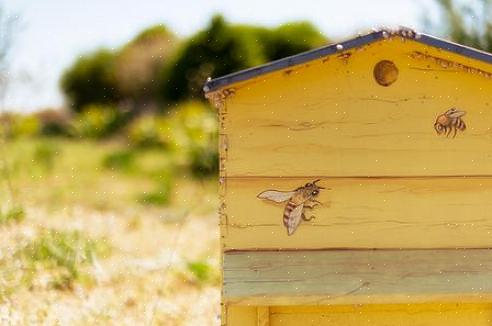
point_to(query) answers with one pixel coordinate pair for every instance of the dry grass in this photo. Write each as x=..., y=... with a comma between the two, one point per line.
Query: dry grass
x=163, y=264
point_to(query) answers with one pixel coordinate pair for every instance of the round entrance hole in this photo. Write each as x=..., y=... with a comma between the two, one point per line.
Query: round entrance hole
x=385, y=72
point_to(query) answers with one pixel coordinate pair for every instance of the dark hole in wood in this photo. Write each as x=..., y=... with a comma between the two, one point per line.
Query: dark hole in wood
x=385, y=73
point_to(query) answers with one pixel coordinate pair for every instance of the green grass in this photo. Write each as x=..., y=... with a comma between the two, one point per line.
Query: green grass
x=202, y=272
x=64, y=254
x=12, y=215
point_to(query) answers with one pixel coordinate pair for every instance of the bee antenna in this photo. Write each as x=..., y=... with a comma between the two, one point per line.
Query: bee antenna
x=314, y=182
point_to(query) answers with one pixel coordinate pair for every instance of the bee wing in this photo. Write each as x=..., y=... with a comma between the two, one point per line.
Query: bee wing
x=276, y=196
x=293, y=219
x=453, y=113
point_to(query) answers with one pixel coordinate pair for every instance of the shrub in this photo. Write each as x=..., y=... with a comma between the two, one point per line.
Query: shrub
x=149, y=131
x=161, y=195
x=222, y=48
x=196, y=135
x=17, y=125
x=204, y=161
x=119, y=160
x=97, y=121
x=91, y=80
x=54, y=122
x=139, y=62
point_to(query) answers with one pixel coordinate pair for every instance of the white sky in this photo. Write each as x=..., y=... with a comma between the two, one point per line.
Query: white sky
x=55, y=32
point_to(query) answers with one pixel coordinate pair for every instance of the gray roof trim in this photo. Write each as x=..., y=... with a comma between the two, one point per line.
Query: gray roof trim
x=214, y=84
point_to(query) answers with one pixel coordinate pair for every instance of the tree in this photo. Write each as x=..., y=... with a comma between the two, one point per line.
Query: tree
x=468, y=23
x=223, y=48
x=292, y=38
x=91, y=80
x=139, y=62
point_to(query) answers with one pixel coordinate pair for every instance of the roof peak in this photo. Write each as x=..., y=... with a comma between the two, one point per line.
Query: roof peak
x=374, y=35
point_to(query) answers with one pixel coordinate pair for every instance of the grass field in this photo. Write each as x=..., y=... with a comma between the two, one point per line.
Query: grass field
x=97, y=233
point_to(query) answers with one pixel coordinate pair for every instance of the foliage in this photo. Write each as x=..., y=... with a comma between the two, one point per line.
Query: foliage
x=18, y=125
x=11, y=215
x=138, y=64
x=292, y=38
x=45, y=154
x=161, y=195
x=199, y=138
x=149, y=130
x=466, y=22
x=217, y=50
x=155, y=66
x=91, y=80
x=98, y=121
x=54, y=122
x=120, y=160
x=64, y=253
x=223, y=48
x=202, y=272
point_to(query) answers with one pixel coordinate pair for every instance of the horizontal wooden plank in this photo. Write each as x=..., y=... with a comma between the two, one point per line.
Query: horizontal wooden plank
x=330, y=117
x=363, y=213
x=357, y=276
x=437, y=314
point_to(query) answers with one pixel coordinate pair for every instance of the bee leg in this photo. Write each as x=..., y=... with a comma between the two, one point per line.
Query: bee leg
x=455, y=130
x=312, y=217
x=448, y=131
x=311, y=206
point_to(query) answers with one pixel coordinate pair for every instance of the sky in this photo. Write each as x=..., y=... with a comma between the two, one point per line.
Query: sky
x=53, y=33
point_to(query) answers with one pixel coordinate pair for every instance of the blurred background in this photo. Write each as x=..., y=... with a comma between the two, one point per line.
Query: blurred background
x=108, y=149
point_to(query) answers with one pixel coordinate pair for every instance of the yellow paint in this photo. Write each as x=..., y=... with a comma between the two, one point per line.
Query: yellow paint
x=396, y=183
x=364, y=213
x=384, y=315
x=332, y=119
x=449, y=314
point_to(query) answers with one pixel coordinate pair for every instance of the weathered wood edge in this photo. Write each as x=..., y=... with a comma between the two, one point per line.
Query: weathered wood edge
x=357, y=277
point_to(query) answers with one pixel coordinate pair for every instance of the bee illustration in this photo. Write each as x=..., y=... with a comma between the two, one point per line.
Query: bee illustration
x=297, y=200
x=450, y=121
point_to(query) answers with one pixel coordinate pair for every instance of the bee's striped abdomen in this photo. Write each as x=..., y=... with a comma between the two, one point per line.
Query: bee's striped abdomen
x=288, y=210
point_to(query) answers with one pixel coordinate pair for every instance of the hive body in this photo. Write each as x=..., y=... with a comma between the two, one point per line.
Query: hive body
x=421, y=198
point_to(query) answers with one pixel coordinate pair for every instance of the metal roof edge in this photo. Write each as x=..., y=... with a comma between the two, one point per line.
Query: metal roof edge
x=242, y=75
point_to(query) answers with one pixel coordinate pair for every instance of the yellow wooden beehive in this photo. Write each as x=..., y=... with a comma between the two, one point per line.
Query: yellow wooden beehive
x=398, y=125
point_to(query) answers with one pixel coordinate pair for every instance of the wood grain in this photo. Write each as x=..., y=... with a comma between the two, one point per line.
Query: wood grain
x=357, y=277
x=331, y=118
x=364, y=213
x=437, y=314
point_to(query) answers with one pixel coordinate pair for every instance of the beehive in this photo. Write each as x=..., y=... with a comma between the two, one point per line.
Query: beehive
x=398, y=125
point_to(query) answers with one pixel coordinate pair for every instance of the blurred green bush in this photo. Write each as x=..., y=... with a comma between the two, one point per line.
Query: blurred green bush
x=18, y=125
x=157, y=68
x=91, y=80
x=223, y=48
x=98, y=121
x=149, y=130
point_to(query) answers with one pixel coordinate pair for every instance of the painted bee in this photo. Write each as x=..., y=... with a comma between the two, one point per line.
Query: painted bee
x=450, y=121
x=298, y=199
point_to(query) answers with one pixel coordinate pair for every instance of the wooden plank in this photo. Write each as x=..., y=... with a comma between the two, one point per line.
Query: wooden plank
x=363, y=213
x=331, y=118
x=449, y=314
x=357, y=276
x=241, y=316
x=263, y=316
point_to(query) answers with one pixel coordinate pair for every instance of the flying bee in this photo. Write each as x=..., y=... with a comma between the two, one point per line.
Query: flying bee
x=450, y=121
x=297, y=200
